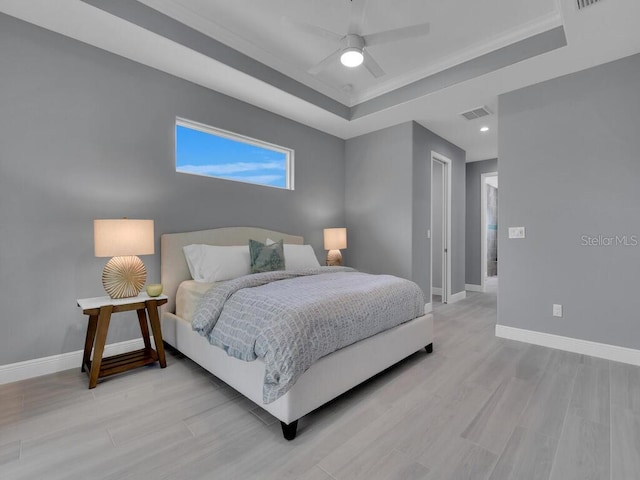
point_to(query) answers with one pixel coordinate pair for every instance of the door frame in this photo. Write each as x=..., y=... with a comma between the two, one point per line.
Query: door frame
x=483, y=227
x=446, y=230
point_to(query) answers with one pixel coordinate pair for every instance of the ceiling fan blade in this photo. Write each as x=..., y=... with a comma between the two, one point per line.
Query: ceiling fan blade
x=356, y=17
x=396, y=34
x=318, y=67
x=311, y=29
x=371, y=65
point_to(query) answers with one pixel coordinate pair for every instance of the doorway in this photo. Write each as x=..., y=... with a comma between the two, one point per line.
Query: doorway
x=489, y=249
x=440, y=228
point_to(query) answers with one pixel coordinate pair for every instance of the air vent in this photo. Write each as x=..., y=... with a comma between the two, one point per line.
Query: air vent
x=476, y=113
x=586, y=3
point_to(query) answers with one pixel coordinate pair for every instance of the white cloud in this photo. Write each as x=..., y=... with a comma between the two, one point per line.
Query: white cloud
x=261, y=179
x=230, y=168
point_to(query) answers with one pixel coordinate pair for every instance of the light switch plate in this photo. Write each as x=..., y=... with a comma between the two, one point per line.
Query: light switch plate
x=516, y=232
x=557, y=310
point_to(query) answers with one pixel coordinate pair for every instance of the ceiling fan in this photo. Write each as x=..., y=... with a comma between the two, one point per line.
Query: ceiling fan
x=352, y=50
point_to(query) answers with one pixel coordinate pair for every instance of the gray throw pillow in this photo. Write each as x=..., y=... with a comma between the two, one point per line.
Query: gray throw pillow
x=266, y=258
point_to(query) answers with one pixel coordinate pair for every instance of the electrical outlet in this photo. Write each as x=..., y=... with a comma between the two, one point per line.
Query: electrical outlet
x=557, y=310
x=516, y=232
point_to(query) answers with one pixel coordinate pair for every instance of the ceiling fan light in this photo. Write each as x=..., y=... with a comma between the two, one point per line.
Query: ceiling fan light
x=351, y=57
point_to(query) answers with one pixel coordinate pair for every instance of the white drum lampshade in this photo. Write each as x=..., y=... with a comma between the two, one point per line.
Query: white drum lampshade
x=334, y=240
x=123, y=239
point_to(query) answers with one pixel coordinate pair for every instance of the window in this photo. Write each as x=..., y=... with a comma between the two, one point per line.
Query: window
x=209, y=151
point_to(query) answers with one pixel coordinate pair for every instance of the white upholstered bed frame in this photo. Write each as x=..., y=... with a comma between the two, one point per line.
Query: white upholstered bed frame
x=328, y=378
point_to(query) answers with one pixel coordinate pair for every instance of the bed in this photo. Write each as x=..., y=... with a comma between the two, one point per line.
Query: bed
x=326, y=379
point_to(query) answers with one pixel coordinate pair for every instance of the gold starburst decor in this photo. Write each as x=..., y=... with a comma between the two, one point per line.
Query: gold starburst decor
x=334, y=258
x=124, y=277
x=123, y=239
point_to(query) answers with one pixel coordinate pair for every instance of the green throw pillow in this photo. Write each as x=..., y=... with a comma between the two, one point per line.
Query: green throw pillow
x=266, y=258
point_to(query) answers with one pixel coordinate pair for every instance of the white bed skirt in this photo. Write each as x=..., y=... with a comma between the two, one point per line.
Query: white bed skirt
x=325, y=380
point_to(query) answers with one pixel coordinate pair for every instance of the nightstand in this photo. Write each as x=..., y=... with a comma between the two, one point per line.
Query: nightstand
x=99, y=310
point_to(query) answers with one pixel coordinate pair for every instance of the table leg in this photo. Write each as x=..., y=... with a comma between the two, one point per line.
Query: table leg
x=152, y=308
x=101, y=339
x=88, y=342
x=144, y=327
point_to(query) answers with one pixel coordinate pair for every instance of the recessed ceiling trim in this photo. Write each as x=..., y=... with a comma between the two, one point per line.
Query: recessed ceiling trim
x=157, y=22
x=182, y=12
x=160, y=24
x=503, y=57
x=522, y=32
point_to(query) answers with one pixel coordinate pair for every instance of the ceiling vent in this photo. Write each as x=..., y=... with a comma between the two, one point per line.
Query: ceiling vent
x=586, y=3
x=476, y=113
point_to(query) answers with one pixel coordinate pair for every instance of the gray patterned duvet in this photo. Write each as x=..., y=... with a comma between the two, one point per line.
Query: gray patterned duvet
x=290, y=319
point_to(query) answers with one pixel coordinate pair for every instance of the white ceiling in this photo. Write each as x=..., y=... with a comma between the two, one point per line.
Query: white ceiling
x=272, y=32
x=269, y=33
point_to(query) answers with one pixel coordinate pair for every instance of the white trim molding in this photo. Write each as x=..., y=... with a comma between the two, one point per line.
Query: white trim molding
x=436, y=291
x=14, y=372
x=456, y=297
x=428, y=307
x=474, y=288
x=575, y=345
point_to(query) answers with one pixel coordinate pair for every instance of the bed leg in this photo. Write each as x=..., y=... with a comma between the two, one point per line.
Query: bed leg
x=429, y=348
x=289, y=431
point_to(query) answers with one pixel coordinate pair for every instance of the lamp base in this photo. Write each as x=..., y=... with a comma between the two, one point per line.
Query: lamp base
x=124, y=277
x=334, y=258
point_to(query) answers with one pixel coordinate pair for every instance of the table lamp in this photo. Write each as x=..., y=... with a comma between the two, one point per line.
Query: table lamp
x=334, y=240
x=123, y=239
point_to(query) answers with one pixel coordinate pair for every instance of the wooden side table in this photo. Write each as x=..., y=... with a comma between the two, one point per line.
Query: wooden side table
x=99, y=310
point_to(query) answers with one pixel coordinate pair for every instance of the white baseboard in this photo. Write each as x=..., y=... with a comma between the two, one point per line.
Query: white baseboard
x=575, y=345
x=436, y=291
x=474, y=288
x=15, y=372
x=428, y=307
x=456, y=297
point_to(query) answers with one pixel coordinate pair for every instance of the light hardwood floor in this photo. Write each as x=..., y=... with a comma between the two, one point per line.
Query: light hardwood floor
x=477, y=408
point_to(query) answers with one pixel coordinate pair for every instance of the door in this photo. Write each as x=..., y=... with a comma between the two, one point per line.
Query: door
x=440, y=227
x=489, y=228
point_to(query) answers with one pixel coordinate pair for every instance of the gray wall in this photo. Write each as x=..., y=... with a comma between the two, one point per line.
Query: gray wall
x=379, y=201
x=86, y=134
x=387, y=202
x=569, y=167
x=474, y=171
x=425, y=142
x=421, y=203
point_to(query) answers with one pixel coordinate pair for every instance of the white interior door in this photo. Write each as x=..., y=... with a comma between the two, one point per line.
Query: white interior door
x=440, y=226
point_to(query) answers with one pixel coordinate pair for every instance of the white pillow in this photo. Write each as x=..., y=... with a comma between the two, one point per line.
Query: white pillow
x=298, y=257
x=214, y=263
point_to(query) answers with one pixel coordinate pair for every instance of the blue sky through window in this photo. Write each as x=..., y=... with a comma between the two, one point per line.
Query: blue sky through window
x=203, y=153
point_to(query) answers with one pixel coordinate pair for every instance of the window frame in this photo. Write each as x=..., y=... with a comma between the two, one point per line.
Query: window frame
x=289, y=153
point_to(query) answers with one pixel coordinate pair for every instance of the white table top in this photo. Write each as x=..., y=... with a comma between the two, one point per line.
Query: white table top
x=97, y=302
